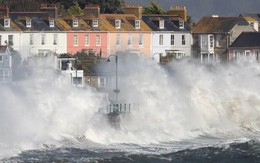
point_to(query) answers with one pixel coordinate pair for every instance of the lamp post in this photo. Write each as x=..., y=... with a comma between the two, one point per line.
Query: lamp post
x=116, y=61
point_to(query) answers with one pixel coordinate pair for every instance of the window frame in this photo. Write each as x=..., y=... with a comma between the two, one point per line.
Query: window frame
x=117, y=23
x=98, y=40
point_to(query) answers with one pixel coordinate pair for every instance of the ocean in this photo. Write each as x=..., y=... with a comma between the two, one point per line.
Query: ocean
x=187, y=112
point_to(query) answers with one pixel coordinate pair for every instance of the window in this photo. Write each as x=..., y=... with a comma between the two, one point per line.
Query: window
x=141, y=40
x=247, y=53
x=183, y=42
x=75, y=23
x=172, y=39
x=211, y=41
x=118, y=39
x=86, y=40
x=130, y=40
x=117, y=24
x=10, y=40
x=31, y=39
x=1, y=58
x=181, y=24
x=75, y=40
x=55, y=39
x=98, y=40
x=0, y=39
x=218, y=39
x=257, y=55
x=160, y=39
x=236, y=55
x=95, y=23
x=43, y=39
x=161, y=24
x=137, y=24
x=28, y=23
x=51, y=23
x=102, y=82
x=7, y=23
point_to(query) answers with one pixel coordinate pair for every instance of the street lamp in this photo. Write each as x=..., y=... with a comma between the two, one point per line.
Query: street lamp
x=116, y=61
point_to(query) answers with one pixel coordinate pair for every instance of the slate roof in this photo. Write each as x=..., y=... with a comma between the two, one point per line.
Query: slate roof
x=13, y=26
x=217, y=24
x=107, y=22
x=247, y=39
x=39, y=21
x=171, y=22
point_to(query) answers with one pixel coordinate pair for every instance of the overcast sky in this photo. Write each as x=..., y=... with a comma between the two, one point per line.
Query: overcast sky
x=199, y=8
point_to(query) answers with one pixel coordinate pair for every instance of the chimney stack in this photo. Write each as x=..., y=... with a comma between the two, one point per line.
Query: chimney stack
x=136, y=10
x=51, y=9
x=178, y=10
x=4, y=10
x=92, y=11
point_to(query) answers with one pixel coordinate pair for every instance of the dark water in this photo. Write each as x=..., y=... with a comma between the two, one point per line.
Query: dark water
x=248, y=152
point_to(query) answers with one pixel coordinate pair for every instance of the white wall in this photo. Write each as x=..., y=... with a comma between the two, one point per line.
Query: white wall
x=29, y=50
x=16, y=39
x=156, y=48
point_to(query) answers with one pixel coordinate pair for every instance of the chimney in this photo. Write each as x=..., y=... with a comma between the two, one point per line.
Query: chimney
x=51, y=9
x=4, y=10
x=136, y=10
x=178, y=10
x=92, y=11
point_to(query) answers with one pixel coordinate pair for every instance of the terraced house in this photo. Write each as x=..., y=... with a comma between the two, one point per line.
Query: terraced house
x=213, y=35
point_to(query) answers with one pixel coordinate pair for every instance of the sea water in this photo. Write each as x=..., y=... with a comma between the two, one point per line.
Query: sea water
x=187, y=112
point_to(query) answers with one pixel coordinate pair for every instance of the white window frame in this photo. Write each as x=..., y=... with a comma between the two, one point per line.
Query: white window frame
x=51, y=23
x=181, y=24
x=31, y=39
x=130, y=40
x=75, y=40
x=87, y=40
x=161, y=24
x=102, y=84
x=117, y=23
x=211, y=41
x=98, y=40
x=247, y=53
x=172, y=40
x=55, y=39
x=43, y=41
x=6, y=22
x=75, y=23
x=141, y=40
x=10, y=39
x=28, y=23
x=95, y=23
x=118, y=39
x=137, y=24
x=183, y=39
x=160, y=39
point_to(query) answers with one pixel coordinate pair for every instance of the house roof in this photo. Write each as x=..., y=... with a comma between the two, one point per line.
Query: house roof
x=252, y=16
x=39, y=21
x=247, y=39
x=217, y=24
x=171, y=22
x=127, y=22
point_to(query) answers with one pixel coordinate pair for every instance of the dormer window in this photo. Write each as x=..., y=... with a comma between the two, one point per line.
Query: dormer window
x=7, y=23
x=181, y=24
x=161, y=24
x=95, y=23
x=137, y=24
x=117, y=24
x=28, y=23
x=75, y=23
x=51, y=23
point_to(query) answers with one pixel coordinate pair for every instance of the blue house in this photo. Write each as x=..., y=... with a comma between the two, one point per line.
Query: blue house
x=5, y=64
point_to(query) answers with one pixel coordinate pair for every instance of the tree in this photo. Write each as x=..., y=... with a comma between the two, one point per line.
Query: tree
x=190, y=22
x=153, y=9
x=75, y=10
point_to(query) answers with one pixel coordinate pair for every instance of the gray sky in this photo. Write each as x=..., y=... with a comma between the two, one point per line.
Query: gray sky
x=199, y=8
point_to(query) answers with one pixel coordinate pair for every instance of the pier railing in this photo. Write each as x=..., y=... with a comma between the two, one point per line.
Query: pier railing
x=120, y=108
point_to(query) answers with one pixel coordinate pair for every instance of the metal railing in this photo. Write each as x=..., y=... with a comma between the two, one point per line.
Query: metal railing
x=120, y=108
